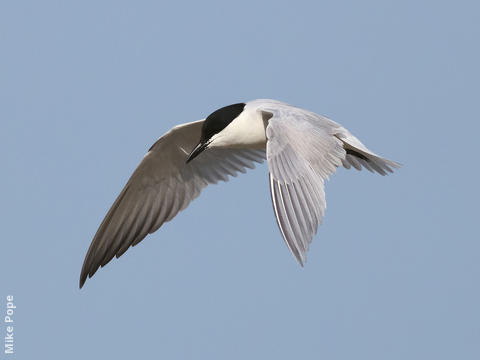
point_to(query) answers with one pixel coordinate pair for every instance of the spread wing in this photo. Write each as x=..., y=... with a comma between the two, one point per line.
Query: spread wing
x=303, y=149
x=161, y=186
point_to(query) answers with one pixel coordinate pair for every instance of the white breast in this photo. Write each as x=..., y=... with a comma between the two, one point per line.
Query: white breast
x=245, y=131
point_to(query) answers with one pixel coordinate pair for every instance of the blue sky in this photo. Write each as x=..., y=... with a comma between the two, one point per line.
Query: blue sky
x=85, y=89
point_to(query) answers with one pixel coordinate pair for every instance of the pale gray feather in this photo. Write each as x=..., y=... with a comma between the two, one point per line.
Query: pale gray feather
x=161, y=186
x=304, y=149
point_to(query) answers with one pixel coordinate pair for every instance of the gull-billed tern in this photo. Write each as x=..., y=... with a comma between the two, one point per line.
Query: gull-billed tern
x=302, y=149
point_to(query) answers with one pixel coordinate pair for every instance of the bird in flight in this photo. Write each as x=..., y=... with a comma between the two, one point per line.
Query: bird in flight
x=302, y=149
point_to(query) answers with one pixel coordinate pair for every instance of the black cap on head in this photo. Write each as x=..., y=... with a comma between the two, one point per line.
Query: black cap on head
x=213, y=124
x=219, y=119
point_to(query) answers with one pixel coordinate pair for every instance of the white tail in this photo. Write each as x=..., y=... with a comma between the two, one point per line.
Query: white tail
x=358, y=156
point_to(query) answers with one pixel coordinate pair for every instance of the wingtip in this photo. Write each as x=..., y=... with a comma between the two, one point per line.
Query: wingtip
x=391, y=167
x=393, y=164
x=301, y=261
x=84, y=275
x=83, y=278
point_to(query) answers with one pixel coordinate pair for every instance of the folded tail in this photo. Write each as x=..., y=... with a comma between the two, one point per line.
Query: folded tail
x=358, y=156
